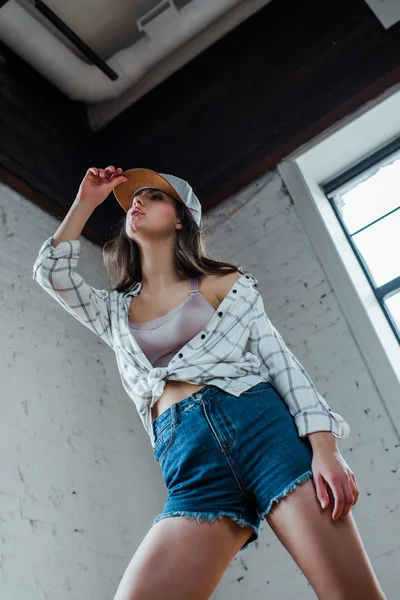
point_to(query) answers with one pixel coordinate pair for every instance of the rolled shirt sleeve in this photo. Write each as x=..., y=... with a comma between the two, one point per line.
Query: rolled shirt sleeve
x=54, y=270
x=291, y=380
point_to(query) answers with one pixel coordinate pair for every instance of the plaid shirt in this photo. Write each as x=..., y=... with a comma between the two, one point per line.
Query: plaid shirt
x=237, y=349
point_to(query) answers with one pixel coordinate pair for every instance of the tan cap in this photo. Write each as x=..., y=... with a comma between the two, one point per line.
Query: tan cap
x=146, y=178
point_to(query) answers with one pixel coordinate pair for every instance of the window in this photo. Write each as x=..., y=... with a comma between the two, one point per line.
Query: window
x=366, y=201
x=345, y=185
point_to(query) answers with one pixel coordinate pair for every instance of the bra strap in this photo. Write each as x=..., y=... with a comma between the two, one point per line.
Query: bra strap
x=194, y=284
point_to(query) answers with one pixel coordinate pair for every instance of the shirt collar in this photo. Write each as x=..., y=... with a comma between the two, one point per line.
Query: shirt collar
x=134, y=290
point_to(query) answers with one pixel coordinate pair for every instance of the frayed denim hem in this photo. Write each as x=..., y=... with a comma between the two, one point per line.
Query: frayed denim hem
x=289, y=488
x=203, y=516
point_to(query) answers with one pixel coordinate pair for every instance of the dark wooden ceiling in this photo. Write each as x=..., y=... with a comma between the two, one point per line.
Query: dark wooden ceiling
x=234, y=112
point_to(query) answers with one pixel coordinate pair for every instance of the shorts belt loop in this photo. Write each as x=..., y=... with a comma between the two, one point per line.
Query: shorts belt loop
x=174, y=415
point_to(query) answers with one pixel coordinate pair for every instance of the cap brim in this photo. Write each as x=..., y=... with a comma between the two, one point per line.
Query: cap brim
x=140, y=178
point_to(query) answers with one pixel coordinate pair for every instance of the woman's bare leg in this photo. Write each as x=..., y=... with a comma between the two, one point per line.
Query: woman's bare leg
x=330, y=553
x=182, y=559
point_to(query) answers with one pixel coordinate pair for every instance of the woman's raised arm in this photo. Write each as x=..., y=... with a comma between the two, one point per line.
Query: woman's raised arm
x=54, y=267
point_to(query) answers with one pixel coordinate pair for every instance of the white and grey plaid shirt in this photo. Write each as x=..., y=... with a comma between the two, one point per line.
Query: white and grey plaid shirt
x=237, y=349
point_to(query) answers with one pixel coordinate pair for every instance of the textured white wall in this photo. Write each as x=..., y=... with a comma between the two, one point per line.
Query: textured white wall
x=78, y=490
x=68, y=426
x=260, y=228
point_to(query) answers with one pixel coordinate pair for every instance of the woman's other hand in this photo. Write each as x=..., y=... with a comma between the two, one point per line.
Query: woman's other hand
x=98, y=183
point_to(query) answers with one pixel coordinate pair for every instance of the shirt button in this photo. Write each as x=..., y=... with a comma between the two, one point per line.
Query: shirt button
x=203, y=336
x=234, y=291
x=180, y=355
x=220, y=313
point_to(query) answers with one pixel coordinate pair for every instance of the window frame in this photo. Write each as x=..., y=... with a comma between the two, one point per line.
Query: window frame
x=310, y=173
x=377, y=159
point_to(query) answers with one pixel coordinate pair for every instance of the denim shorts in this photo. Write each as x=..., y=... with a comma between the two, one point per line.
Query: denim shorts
x=222, y=455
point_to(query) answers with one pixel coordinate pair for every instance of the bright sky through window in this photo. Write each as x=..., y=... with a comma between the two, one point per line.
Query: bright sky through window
x=373, y=206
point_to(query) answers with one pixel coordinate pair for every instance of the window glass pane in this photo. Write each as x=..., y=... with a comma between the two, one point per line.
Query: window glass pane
x=393, y=305
x=379, y=246
x=371, y=199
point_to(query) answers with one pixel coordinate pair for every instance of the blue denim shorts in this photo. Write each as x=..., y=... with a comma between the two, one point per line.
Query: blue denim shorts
x=222, y=455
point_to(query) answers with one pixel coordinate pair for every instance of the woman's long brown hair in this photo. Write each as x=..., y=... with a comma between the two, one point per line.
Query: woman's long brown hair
x=121, y=255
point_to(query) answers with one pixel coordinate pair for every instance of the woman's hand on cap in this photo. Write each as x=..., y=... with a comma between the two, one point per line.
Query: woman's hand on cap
x=98, y=183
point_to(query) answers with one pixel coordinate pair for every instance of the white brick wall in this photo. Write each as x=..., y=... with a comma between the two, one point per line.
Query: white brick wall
x=78, y=491
x=260, y=228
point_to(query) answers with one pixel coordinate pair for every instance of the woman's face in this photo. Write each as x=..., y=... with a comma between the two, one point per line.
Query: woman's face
x=159, y=217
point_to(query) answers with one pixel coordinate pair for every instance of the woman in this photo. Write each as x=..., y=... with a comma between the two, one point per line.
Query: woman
x=235, y=421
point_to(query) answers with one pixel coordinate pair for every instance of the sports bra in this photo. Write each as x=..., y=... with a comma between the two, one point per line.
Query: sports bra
x=161, y=338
